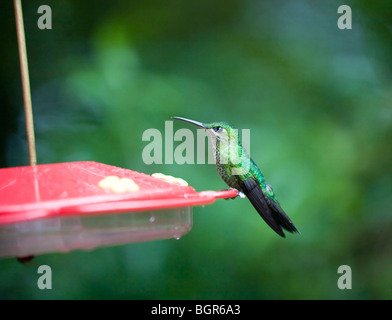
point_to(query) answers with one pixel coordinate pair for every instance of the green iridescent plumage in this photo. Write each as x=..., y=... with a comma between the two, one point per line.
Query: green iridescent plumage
x=238, y=170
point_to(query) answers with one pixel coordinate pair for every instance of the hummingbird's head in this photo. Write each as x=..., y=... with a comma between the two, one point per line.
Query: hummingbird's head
x=218, y=131
x=221, y=131
x=225, y=143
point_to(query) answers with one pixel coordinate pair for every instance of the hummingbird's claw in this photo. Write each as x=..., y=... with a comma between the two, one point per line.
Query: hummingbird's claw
x=239, y=194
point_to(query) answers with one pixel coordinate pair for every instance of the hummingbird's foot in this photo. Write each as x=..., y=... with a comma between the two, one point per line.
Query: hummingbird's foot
x=240, y=194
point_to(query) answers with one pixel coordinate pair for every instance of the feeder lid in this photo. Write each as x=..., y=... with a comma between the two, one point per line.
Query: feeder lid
x=88, y=188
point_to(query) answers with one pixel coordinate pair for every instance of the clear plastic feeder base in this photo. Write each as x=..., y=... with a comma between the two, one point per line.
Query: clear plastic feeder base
x=89, y=232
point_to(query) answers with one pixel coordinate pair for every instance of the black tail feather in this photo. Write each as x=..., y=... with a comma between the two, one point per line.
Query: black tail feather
x=272, y=214
x=284, y=220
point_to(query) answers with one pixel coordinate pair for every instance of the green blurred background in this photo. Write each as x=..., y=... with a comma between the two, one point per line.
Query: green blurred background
x=317, y=100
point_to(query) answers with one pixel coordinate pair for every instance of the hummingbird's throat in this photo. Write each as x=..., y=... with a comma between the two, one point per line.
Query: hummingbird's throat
x=229, y=154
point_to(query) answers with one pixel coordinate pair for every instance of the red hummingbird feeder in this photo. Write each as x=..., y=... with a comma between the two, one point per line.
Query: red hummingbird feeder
x=61, y=207
x=84, y=205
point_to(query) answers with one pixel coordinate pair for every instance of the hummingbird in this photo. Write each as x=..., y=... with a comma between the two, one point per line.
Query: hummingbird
x=240, y=172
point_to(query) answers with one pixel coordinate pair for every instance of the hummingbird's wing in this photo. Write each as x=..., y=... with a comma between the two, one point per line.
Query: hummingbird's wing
x=270, y=211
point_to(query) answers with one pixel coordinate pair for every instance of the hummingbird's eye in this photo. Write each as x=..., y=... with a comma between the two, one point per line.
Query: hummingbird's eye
x=218, y=129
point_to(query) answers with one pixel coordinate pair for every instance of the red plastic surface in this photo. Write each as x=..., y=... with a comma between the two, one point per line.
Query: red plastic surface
x=71, y=188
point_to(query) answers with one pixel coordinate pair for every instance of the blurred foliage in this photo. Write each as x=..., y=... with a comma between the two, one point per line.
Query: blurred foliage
x=316, y=98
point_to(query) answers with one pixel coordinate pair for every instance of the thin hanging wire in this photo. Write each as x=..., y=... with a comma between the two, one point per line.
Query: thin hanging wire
x=25, y=82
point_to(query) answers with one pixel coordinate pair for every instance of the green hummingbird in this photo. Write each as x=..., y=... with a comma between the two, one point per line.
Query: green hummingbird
x=238, y=170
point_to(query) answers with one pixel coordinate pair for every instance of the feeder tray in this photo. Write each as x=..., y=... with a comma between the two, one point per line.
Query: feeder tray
x=67, y=206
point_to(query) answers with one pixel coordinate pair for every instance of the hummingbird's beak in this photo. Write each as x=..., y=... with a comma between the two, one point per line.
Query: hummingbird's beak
x=197, y=123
